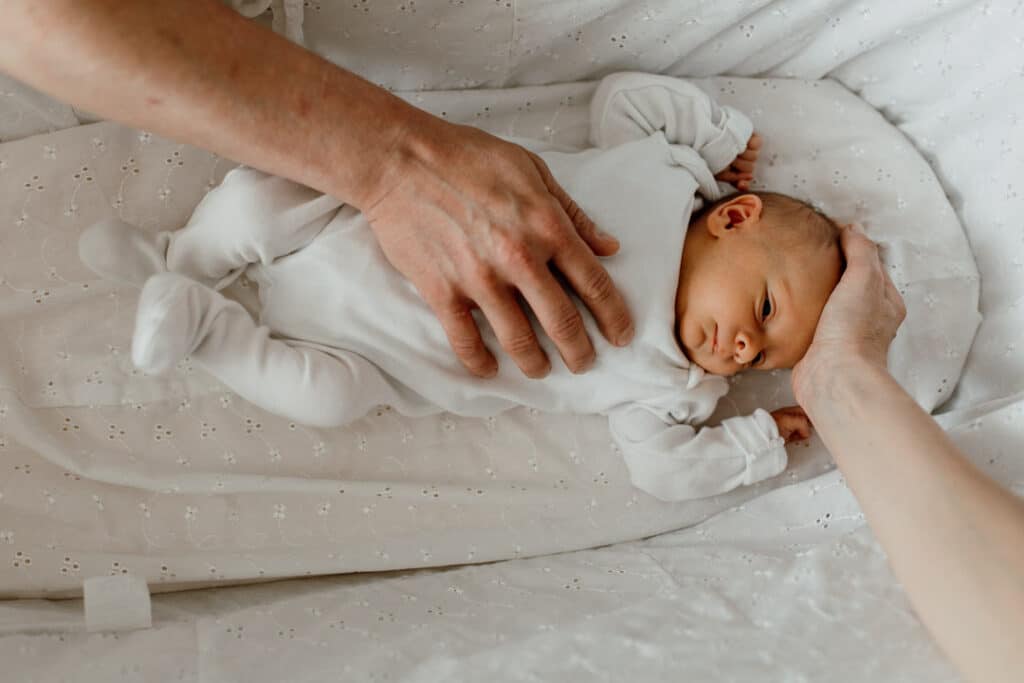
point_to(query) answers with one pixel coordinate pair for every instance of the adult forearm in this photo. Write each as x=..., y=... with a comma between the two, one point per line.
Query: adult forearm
x=196, y=71
x=955, y=538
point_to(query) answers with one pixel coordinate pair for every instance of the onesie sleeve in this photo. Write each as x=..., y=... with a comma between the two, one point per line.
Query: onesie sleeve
x=673, y=461
x=629, y=106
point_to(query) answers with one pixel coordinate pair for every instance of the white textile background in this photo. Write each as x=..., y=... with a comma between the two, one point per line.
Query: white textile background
x=788, y=586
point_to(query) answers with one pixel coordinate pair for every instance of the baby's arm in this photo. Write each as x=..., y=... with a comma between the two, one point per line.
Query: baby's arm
x=630, y=106
x=676, y=461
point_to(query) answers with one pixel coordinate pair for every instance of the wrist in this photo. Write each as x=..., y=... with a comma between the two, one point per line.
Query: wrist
x=823, y=380
x=366, y=132
x=409, y=144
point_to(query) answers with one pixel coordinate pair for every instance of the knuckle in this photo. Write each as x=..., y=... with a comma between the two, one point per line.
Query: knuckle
x=482, y=275
x=551, y=227
x=444, y=301
x=458, y=313
x=567, y=324
x=520, y=344
x=597, y=286
x=466, y=347
x=576, y=215
x=513, y=254
x=527, y=354
x=470, y=352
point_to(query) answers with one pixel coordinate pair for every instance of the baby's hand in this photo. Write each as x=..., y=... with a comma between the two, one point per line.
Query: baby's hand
x=793, y=423
x=741, y=171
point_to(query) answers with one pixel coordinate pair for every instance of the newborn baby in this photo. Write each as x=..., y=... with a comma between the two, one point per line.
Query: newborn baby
x=342, y=331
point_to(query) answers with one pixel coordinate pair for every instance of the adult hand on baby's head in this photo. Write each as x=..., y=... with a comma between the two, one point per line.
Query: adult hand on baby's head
x=859, y=321
x=741, y=171
x=472, y=221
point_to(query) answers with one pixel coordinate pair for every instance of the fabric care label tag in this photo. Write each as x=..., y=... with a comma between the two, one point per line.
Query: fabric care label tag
x=116, y=603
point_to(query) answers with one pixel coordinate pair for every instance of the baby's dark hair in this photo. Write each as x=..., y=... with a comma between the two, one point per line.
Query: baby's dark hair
x=794, y=222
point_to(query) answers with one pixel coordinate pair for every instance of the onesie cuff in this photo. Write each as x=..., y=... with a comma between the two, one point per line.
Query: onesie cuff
x=757, y=437
x=731, y=142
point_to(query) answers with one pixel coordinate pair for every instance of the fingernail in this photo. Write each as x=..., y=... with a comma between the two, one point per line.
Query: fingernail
x=541, y=372
x=626, y=336
x=584, y=366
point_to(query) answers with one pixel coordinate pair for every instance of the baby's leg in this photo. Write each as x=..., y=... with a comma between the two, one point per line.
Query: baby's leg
x=179, y=317
x=251, y=217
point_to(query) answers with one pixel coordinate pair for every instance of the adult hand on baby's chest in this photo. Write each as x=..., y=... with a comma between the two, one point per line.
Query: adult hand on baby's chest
x=472, y=221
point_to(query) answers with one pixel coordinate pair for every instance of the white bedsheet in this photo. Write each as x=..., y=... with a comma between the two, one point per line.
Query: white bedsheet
x=196, y=481
x=787, y=587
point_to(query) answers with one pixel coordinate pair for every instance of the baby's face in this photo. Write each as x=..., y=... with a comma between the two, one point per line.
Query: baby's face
x=743, y=303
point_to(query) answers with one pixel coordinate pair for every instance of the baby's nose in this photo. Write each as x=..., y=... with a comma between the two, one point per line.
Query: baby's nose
x=746, y=348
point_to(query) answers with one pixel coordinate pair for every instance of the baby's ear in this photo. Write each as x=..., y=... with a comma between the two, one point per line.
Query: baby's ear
x=748, y=210
x=742, y=211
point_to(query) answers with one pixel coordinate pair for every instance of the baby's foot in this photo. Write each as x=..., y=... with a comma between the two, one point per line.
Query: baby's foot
x=117, y=251
x=169, y=322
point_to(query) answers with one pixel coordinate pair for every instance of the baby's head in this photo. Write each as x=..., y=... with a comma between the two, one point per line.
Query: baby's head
x=757, y=270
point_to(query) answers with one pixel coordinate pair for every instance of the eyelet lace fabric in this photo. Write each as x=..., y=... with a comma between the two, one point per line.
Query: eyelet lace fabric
x=912, y=127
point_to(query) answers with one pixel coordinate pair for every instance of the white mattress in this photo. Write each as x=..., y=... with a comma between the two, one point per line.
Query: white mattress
x=784, y=586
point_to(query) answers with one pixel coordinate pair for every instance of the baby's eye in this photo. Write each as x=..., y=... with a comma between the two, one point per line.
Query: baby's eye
x=766, y=308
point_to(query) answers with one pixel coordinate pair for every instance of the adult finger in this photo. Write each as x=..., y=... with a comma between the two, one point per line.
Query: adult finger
x=892, y=293
x=587, y=277
x=594, y=286
x=559, y=317
x=514, y=332
x=600, y=242
x=456, y=318
x=860, y=252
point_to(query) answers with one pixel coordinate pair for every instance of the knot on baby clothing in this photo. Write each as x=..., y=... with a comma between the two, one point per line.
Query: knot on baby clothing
x=288, y=15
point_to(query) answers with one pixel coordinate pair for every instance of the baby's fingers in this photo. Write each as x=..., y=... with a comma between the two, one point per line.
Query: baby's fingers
x=801, y=430
x=730, y=175
x=742, y=165
x=794, y=429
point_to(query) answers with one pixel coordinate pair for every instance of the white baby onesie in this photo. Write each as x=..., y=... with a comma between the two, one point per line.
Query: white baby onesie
x=342, y=331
